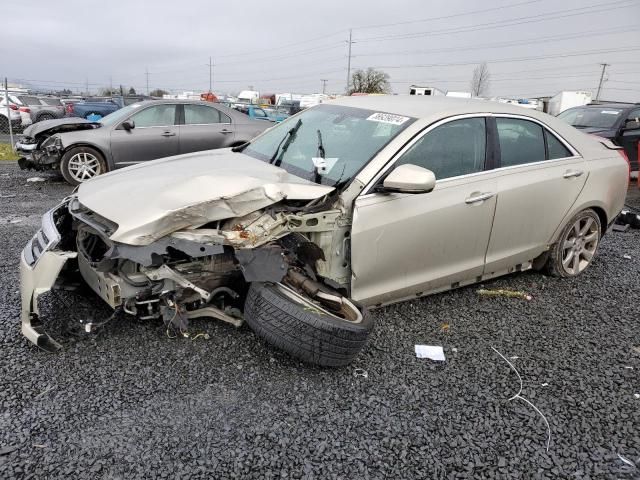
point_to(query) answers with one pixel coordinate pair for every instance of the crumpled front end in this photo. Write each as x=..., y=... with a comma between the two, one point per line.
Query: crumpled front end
x=39, y=154
x=199, y=271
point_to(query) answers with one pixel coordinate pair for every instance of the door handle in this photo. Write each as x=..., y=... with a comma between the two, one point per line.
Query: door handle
x=168, y=134
x=225, y=131
x=572, y=173
x=479, y=197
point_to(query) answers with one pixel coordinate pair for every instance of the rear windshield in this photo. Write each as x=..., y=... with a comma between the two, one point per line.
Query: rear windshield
x=601, y=117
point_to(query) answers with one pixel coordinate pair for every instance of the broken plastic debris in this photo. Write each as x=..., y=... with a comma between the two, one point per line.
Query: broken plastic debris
x=636, y=395
x=36, y=179
x=545, y=384
x=454, y=349
x=501, y=292
x=360, y=372
x=628, y=257
x=433, y=352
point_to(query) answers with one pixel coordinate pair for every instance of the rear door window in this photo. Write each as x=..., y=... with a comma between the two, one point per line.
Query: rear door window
x=450, y=150
x=201, y=115
x=521, y=142
x=555, y=148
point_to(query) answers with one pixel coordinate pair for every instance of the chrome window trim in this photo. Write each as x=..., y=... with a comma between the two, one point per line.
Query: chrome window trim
x=394, y=158
x=203, y=124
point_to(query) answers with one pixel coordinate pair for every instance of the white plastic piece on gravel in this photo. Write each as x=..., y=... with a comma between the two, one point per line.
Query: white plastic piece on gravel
x=628, y=257
x=545, y=384
x=36, y=179
x=636, y=395
x=433, y=352
x=360, y=372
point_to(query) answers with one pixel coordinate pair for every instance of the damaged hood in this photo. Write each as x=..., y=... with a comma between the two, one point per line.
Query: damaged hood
x=150, y=200
x=58, y=125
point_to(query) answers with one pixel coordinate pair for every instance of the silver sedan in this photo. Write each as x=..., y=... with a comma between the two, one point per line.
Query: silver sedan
x=147, y=130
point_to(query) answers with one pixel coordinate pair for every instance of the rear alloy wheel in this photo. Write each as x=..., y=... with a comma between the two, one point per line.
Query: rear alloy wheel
x=577, y=245
x=81, y=164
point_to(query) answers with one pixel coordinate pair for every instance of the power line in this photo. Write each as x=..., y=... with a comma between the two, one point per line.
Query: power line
x=510, y=43
x=444, y=17
x=518, y=59
x=508, y=22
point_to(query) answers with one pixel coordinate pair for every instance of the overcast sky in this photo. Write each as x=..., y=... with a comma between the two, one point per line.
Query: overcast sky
x=532, y=47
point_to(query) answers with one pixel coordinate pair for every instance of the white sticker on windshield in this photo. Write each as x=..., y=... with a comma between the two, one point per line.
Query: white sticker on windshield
x=323, y=165
x=610, y=112
x=387, y=118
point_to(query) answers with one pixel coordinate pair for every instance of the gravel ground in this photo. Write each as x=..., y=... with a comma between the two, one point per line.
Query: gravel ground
x=128, y=402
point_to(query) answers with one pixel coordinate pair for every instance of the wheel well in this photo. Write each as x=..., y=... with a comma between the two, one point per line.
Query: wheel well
x=602, y=216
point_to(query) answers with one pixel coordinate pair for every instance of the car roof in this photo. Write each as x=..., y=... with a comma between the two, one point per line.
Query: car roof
x=425, y=106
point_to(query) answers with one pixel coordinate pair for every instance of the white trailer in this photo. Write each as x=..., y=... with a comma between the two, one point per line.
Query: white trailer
x=567, y=99
x=422, y=90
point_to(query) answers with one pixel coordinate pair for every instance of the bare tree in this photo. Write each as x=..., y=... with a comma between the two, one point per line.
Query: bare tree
x=480, y=81
x=370, y=81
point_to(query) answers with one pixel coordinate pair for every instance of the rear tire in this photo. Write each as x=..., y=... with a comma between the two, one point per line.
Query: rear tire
x=45, y=116
x=80, y=164
x=576, y=246
x=308, y=333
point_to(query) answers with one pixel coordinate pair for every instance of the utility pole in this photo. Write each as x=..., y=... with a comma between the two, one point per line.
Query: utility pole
x=324, y=84
x=146, y=72
x=349, y=62
x=210, y=64
x=6, y=96
x=86, y=86
x=604, y=67
x=110, y=85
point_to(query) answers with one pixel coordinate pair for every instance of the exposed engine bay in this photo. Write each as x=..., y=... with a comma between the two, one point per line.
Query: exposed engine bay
x=205, y=271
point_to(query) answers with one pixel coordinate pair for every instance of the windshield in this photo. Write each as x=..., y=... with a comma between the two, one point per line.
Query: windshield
x=119, y=115
x=591, y=117
x=349, y=138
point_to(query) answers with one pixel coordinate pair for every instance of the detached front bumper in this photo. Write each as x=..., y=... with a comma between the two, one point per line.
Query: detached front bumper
x=40, y=265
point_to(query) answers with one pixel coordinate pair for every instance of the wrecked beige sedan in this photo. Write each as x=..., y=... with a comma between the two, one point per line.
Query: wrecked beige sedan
x=358, y=203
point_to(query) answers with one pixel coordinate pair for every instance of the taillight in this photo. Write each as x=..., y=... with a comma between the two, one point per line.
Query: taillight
x=69, y=107
x=13, y=107
x=623, y=154
x=25, y=109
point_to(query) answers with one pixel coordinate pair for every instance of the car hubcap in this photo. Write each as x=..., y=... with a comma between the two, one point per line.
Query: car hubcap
x=580, y=245
x=83, y=166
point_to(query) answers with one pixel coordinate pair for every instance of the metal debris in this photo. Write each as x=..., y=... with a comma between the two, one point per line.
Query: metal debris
x=36, y=179
x=501, y=292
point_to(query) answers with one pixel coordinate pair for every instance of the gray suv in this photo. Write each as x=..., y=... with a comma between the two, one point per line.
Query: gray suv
x=143, y=131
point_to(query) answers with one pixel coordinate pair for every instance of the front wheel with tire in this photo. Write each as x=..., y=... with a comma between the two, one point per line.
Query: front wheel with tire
x=81, y=164
x=576, y=246
x=304, y=329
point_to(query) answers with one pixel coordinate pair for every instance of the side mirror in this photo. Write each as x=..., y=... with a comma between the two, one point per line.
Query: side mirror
x=128, y=125
x=409, y=179
x=632, y=125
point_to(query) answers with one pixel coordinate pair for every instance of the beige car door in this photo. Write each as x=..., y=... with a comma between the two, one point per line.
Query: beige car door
x=540, y=177
x=407, y=244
